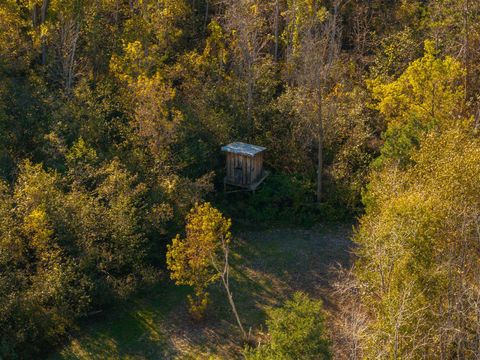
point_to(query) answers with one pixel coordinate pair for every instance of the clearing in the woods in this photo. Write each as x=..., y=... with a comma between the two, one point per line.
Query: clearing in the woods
x=267, y=267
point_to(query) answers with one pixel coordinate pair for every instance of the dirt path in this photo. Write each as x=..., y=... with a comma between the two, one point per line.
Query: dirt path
x=267, y=268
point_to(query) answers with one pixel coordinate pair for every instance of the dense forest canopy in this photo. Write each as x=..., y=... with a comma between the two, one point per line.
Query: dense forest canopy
x=113, y=112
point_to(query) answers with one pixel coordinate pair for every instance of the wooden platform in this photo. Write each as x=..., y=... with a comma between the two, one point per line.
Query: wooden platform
x=251, y=187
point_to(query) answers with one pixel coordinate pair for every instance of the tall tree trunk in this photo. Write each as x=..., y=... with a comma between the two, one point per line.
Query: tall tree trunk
x=466, y=45
x=276, y=29
x=320, y=169
x=205, y=19
x=320, y=148
x=250, y=86
x=71, y=59
x=34, y=16
x=43, y=17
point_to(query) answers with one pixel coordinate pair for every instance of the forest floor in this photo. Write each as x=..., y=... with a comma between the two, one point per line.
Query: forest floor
x=267, y=268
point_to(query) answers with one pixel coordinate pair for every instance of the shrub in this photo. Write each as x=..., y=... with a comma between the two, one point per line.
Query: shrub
x=297, y=332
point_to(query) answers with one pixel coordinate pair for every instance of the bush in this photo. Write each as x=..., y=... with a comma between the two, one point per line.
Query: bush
x=286, y=199
x=297, y=332
x=281, y=198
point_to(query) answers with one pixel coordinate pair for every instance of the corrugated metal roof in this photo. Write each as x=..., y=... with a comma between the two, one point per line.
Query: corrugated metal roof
x=243, y=149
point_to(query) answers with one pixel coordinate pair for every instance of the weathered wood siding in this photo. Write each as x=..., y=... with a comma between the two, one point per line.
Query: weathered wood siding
x=257, y=168
x=229, y=167
x=243, y=169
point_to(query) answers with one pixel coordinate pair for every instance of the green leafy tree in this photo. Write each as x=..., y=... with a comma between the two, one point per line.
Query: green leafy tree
x=427, y=96
x=296, y=331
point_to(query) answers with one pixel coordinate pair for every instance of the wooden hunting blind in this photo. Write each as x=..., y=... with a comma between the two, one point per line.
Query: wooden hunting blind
x=244, y=165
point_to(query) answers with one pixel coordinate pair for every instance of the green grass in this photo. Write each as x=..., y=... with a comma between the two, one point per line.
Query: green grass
x=267, y=267
x=132, y=330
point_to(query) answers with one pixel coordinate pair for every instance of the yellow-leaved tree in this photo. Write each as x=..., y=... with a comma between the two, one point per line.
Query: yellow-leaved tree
x=427, y=96
x=202, y=257
x=418, y=253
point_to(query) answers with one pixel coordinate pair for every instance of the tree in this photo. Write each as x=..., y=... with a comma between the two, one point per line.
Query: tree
x=68, y=244
x=246, y=22
x=454, y=24
x=203, y=257
x=296, y=331
x=426, y=96
x=43, y=291
x=312, y=40
x=15, y=51
x=418, y=252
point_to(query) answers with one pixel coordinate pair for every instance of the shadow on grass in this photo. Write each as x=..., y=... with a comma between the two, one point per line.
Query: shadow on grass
x=266, y=268
x=132, y=330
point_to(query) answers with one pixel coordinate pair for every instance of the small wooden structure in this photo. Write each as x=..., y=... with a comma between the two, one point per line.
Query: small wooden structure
x=244, y=165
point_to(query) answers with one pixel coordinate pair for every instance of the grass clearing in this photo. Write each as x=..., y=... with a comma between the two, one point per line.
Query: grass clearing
x=267, y=267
